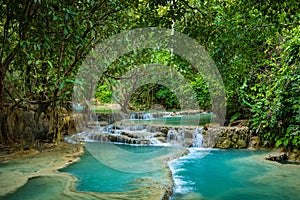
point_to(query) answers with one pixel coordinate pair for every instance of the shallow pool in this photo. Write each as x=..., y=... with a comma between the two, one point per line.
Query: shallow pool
x=119, y=168
x=233, y=174
x=201, y=174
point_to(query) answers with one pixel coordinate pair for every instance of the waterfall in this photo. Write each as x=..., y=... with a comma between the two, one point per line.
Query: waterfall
x=140, y=116
x=198, y=138
x=142, y=134
x=137, y=127
x=170, y=135
x=180, y=137
x=106, y=129
x=175, y=137
x=155, y=141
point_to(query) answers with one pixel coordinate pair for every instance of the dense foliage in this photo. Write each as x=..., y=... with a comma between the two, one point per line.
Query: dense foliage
x=42, y=44
x=273, y=95
x=255, y=45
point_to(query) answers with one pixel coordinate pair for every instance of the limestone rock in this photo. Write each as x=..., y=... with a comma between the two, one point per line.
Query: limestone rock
x=254, y=142
x=294, y=156
x=103, y=123
x=278, y=158
x=164, y=130
x=226, y=144
x=162, y=139
x=241, y=144
x=128, y=134
x=235, y=137
x=160, y=134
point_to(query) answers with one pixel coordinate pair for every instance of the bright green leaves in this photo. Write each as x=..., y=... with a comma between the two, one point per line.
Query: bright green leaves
x=103, y=94
x=235, y=117
x=202, y=92
x=275, y=100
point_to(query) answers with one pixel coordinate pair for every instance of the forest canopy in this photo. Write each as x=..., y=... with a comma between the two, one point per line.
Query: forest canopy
x=254, y=44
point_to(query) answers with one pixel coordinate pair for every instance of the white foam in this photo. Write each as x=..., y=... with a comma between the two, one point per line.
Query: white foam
x=184, y=186
x=180, y=185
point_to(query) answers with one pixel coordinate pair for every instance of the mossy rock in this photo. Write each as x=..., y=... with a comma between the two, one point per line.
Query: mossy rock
x=242, y=144
x=226, y=144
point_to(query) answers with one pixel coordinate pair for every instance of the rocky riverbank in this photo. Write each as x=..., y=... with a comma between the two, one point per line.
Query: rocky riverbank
x=42, y=166
x=17, y=168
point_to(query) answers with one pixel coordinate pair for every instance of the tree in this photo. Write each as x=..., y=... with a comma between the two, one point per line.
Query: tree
x=42, y=45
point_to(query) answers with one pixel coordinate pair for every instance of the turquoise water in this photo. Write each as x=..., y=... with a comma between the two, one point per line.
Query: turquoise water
x=185, y=120
x=233, y=174
x=39, y=188
x=202, y=174
x=105, y=167
x=98, y=175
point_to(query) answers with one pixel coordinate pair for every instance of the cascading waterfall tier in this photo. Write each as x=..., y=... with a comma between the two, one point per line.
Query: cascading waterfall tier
x=141, y=134
x=140, y=116
x=198, y=138
x=175, y=137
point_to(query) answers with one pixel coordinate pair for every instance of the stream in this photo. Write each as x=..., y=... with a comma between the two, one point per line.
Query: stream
x=142, y=153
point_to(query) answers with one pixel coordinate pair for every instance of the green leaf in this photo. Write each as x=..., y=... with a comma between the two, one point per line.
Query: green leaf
x=50, y=63
x=278, y=143
x=69, y=80
x=61, y=85
x=286, y=142
x=235, y=117
x=66, y=31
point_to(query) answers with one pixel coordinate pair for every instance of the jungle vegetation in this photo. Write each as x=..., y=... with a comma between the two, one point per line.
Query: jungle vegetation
x=254, y=44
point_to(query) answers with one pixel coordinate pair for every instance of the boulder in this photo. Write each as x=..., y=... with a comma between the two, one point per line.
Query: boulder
x=103, y=123
x=160, y=134
x=162, y=139
x=278, y=157
x=226, y=144
x=241, y=144
x=254, y=142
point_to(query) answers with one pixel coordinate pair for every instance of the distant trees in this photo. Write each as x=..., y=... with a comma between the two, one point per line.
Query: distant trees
x=255, y=45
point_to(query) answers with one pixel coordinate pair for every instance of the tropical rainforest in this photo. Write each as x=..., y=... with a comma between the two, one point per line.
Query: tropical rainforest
x=254, y=44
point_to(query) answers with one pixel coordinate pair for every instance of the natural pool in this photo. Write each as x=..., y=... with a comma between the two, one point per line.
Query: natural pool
x=233, y=174
x=120, y=167
x=117, y=171
x=202, y=174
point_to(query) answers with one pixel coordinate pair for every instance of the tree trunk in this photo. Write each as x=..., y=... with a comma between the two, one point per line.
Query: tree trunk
x=3, y=135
